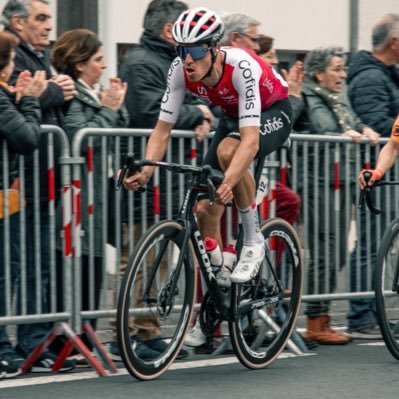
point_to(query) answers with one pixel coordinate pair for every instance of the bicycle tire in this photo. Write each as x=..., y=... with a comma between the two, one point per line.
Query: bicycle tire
x=259, y=335
x=155, y=256
x=386, y=297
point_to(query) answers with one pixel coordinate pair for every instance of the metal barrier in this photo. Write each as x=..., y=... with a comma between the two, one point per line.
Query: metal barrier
x=37, y=212
x=322, y=169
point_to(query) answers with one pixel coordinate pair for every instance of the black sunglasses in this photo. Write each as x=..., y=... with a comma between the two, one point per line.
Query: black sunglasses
x=196, y=52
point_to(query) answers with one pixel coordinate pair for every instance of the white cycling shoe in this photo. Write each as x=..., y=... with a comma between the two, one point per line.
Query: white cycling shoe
x=195, y=336
x=250, y=260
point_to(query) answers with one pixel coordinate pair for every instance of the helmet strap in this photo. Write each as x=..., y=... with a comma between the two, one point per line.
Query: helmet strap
x=213, y=59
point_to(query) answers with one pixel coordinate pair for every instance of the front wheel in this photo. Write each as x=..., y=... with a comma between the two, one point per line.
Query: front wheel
x=268, y=305
x=157, y=297
x=387, y=287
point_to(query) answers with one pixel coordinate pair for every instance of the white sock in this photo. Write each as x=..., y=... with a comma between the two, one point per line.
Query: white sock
x=250, y=223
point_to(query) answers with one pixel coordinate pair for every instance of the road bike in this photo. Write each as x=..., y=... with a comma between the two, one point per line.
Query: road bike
x=386, y=278
x=160, y=285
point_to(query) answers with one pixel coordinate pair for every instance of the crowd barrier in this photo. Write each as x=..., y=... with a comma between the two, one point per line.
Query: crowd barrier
x=321, y=168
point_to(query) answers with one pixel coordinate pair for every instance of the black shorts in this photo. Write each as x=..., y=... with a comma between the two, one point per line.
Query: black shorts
x=274, y=130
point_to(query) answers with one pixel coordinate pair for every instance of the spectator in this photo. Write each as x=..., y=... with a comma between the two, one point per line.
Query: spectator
x=241, y=31
x=293, y=77
x=146, y=70
x=373, y=89
x=78, y=53
x=20, y=123
x=30, y=21
x=326, y=110
x=266, y=51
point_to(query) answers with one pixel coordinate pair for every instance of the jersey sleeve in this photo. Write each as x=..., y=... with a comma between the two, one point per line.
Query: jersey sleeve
x=245, y=78
x=174, y=94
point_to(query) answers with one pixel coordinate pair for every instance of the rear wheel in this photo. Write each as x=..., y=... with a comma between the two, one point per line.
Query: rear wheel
x=269, y=304
x=387, y=287
x=159, y=293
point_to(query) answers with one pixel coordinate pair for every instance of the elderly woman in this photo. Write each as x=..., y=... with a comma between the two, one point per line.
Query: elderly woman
x=78, y=53
x=20, y=118
x=325, y=109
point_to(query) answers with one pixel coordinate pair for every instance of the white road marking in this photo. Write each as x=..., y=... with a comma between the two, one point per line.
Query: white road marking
x=19, y=382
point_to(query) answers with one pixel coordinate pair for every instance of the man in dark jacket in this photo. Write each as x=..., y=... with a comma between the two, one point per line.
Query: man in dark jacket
x=146, y=70
x=31, y=22
x=373, y=89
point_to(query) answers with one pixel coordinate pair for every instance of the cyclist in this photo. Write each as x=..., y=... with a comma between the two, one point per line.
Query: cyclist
x=386, y=158
x=255, y=121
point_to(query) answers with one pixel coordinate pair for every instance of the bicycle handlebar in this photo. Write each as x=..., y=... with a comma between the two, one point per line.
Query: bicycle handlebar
x=365, y=194
x=213, y=176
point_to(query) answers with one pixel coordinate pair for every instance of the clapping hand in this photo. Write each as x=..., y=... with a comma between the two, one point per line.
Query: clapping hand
x=294, y=78
x=114, y=96
x=67, y=86
x=28, y=85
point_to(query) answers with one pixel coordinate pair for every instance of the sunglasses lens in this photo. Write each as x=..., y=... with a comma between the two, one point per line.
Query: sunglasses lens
x=196, y=52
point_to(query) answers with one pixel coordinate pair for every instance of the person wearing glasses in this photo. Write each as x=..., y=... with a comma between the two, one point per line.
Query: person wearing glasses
x=256, y=119
x=326, y=110
x=241, y=30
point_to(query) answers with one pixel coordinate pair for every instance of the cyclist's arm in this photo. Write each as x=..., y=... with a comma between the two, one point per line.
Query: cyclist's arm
x=157, y=145
x=386, y=158
x=390, y=152
x=159, y=138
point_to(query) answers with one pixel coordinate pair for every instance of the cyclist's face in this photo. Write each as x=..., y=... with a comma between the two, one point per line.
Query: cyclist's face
x=196, y=69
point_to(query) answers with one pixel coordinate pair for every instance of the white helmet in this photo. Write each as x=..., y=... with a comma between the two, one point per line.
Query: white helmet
x=197, y=26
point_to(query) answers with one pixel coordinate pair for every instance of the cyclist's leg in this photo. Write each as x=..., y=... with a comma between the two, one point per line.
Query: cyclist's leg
x=276, y=124
x=209, y=216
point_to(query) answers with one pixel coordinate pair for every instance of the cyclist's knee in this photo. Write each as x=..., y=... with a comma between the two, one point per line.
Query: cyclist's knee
x=226, y=151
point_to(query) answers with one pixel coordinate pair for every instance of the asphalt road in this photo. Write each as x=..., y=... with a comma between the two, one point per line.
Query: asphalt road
x=362, y=369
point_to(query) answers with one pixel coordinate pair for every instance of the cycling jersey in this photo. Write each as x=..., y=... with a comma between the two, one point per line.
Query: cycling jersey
x=247, y=87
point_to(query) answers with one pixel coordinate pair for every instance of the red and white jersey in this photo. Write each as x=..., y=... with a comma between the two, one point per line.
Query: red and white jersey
x=247, y=87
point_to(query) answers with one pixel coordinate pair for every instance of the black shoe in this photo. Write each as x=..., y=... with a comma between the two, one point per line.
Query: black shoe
x=13, y=358
x=371, y=331
x=10, y=364
x=144, y=351
x=46, y=361
x=159, y=345
x=113, y=350
x=140, y=348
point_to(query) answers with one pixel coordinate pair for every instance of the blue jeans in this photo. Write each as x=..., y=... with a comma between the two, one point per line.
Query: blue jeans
x=28, y=335
x=362, y=312
x=5, y=344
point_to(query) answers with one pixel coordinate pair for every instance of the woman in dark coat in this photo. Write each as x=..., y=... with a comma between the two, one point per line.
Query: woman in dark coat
x=20, y=119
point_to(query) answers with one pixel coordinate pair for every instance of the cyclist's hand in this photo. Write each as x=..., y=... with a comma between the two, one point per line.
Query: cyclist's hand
x=376, y=174
x=136, y=181
x=224, y=194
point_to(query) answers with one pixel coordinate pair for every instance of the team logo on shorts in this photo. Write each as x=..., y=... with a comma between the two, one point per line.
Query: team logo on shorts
x=395, y=130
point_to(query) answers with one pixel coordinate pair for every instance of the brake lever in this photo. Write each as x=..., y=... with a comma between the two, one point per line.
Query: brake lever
x=211, y=190
x=129, y=168
x=365, y=196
